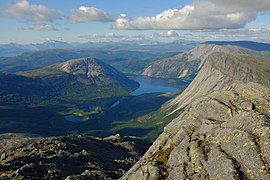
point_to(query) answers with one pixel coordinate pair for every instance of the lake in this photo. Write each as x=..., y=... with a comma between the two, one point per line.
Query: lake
x=154, y=85
x=147, y=85
x=73, y=118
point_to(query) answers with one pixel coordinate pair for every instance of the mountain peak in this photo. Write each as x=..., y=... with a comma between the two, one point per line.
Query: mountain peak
x=90, y=67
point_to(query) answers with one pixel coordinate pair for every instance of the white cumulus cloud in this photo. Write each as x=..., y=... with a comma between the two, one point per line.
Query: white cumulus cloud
x=23, y=9
x=202, y=14
x=89, y=14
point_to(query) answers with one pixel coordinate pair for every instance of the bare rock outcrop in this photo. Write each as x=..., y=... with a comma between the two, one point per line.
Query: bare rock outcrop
x=72, y=157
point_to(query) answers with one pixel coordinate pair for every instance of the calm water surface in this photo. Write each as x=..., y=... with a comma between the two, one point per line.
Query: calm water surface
x=73, y=118
x=153, y=85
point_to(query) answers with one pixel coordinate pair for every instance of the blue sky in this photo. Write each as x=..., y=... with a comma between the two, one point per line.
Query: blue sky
x=31, y=21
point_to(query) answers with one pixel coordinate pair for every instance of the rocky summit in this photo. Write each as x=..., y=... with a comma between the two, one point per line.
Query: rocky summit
x=69, y=157
x=224, y=130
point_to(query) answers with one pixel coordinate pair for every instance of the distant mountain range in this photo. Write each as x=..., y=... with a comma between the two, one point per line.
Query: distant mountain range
x=125, y=61
x=13, y=49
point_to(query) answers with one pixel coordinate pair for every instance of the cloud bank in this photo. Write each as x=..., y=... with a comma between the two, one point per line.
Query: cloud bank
x=202, y=14
x=112, y=37
x=39, y=27
x=256, y=34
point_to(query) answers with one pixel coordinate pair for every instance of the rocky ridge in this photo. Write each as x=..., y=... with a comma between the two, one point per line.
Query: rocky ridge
x=71, y=157
x=187, y=64
x=223, y=132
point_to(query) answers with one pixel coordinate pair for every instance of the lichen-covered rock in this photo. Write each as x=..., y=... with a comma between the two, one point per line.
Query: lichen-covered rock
x=222, y=135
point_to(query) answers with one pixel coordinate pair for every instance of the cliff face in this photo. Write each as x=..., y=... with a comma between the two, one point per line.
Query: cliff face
x=223, y=132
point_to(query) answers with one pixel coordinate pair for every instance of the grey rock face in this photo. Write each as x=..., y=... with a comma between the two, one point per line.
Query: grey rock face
x=72, y=157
